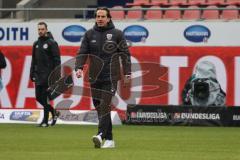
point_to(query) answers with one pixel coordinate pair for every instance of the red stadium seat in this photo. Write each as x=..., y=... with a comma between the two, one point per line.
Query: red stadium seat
x=233, y=2
x=154, y=14
x=177, y=2
x=215, y=2
x=230, y=14
x=159, y=2
x=135, y=14
x=211, y=14
x=119, y=14
x=172, y=14
x=139, y=3
x=196, y=2
x=192, y=14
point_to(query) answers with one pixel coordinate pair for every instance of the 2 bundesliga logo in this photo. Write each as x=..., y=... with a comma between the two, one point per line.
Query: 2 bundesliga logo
x=73, y=33
x=197, y=33
x=136, y=33
x=31, y=116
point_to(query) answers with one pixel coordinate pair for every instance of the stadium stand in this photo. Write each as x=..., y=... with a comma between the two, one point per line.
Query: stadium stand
x=159, y=2
x=196, y=2
x=134, y=14
x=216, y=2
x=55, y=4
x=173, y=14
x=192, y=14
x=154, y=14
x=177, y=2
x=233, y=2
x=211, y=14
x=188, y=9
x=119, y=14
x=139, y=3
x=7, y=4
x=230, y=14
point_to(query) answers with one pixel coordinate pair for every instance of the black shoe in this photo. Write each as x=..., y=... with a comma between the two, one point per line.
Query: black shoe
x=42, y=125
x=55, y=117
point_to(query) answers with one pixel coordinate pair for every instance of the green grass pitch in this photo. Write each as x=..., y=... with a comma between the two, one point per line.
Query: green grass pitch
x=73, y=142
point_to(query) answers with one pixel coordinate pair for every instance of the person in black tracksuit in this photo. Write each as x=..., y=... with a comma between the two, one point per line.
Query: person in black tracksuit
x=104, y=46
x=45, y=58
x=3, y=65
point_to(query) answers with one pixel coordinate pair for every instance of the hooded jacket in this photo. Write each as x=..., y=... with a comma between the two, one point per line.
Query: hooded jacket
x=3, y=63
x=45, y=58
x=104, y=46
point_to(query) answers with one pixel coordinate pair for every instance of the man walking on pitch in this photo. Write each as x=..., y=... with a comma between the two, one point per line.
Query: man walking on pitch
x=45, y=58
x=104, y=46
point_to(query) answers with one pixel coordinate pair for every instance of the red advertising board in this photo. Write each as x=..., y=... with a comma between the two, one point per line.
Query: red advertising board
x=179, y=63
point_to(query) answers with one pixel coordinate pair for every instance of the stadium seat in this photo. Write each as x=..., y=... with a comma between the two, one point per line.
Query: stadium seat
x=211, y=14
x=230, y=14
x=192, y=14
x=196, y=2
x=233, y=2
x=119, y=14
x=153, y=14
x=159, y=2
x=139, y=3
x=135, y=14
x=172, y=14
x=215, y=2
x=177, y=2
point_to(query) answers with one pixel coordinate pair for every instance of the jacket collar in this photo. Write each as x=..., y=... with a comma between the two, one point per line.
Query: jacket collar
x=43, y=38
x=105, y=28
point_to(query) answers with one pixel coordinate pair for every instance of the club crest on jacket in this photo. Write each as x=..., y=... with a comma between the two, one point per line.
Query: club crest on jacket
x=109, y=36
x=45, y=46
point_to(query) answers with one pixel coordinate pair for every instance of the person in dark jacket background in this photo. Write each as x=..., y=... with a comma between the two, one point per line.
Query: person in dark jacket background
x=3, y=65
x=45, y=58
x=104, y=45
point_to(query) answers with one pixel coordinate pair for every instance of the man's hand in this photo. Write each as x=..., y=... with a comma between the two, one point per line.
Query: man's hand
x=33, y=79
x=126, y=80
x=79, y=73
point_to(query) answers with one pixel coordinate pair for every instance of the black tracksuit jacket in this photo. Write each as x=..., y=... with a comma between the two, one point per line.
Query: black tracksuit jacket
x=45, y=58
x=104, y=46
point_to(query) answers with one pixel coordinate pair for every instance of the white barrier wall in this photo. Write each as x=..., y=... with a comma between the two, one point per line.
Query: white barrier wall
x=32, y=116
x=151, y=33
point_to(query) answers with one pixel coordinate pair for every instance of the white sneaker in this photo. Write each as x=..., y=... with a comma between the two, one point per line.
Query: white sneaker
x=109, y=144
x=97, y=140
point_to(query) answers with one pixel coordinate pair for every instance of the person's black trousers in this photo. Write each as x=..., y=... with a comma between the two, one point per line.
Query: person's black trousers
x=102, y=93
x=42, y=97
